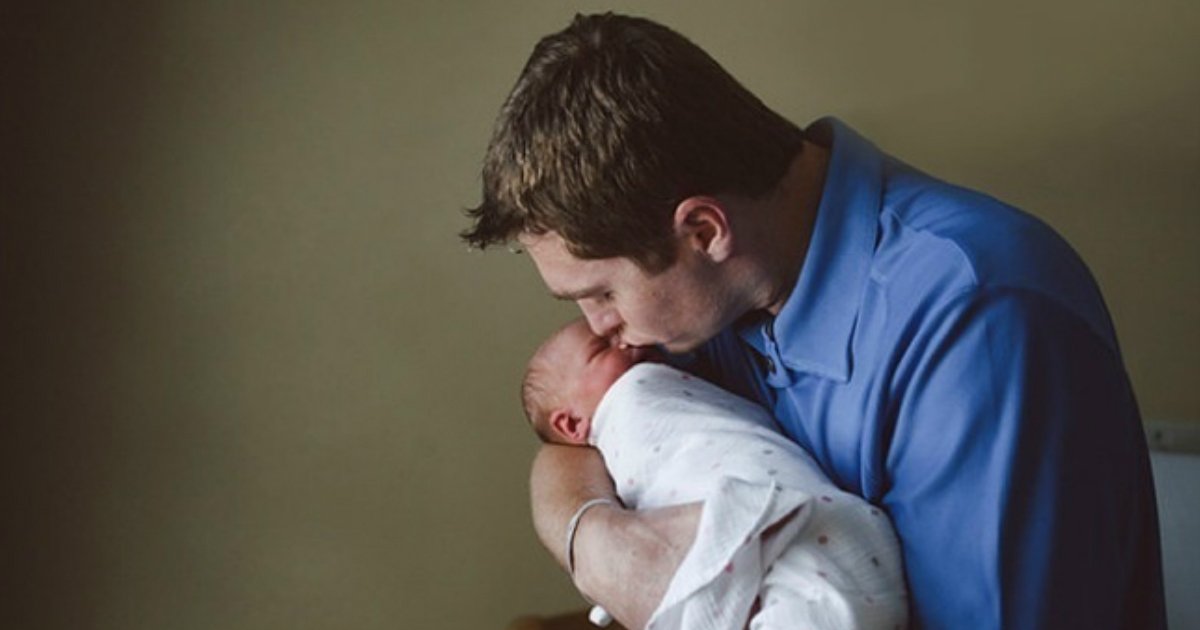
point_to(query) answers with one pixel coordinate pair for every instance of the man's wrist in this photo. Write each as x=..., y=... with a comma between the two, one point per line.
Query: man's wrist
x=573, y=529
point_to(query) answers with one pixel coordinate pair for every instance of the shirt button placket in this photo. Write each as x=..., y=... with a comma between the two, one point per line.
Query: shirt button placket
x=769, y=345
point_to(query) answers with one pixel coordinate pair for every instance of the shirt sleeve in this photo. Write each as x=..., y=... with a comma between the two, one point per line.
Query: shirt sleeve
x=1020, y=484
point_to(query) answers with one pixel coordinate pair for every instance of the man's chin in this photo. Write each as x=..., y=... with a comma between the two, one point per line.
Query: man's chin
x=677, y=347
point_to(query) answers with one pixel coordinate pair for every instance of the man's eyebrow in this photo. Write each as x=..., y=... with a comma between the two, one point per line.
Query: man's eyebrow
x=577, y=294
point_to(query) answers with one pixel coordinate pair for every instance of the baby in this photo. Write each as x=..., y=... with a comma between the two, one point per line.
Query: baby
x=778, y=544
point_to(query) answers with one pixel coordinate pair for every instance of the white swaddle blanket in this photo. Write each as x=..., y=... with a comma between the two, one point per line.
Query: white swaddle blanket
x=668, y=438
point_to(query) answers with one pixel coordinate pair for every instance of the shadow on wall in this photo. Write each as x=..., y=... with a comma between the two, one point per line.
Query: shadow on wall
x=74, y=79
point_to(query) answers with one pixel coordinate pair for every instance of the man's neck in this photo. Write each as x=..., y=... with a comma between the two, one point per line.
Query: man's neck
x=788, y=216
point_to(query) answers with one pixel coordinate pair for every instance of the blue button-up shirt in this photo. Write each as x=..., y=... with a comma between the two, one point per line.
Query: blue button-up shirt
x=950, y=359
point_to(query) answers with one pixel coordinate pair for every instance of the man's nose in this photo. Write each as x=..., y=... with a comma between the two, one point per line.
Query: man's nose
x=604, y=322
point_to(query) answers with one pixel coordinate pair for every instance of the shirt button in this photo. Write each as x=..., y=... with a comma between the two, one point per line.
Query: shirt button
x=770, y=364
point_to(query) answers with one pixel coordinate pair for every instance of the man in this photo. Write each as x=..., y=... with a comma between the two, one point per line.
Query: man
x=943, y=355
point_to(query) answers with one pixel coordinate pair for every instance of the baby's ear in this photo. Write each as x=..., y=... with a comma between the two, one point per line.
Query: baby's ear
x=569, y=427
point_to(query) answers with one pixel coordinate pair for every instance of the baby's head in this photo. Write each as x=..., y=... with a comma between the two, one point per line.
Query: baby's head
x=567, y=377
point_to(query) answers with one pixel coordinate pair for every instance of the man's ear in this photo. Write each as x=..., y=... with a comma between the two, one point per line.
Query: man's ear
x=701, y=222
x=569, y=427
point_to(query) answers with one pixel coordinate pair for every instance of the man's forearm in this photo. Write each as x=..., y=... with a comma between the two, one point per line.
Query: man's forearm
x=624, y=560
x=563, y=478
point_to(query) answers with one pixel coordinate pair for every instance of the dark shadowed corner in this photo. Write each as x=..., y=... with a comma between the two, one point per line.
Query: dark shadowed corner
x=74, y=79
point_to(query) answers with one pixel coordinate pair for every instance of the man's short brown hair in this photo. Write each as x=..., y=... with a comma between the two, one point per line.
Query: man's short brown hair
x=614, y=121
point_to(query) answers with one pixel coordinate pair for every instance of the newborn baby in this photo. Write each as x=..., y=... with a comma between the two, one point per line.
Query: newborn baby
x=778, y=545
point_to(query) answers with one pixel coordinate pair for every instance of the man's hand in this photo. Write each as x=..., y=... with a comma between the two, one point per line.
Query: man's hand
x=624, y=560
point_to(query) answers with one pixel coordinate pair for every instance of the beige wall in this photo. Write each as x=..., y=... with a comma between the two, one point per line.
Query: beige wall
x=256, y=381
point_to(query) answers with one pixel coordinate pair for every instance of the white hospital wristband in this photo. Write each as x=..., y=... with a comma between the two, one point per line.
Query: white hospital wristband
x=573, y=525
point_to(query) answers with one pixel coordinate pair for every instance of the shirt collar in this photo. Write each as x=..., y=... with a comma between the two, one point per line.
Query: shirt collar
x=813, y=330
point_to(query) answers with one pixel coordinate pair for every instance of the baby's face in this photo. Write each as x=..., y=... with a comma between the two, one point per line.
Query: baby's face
x=589, y=365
